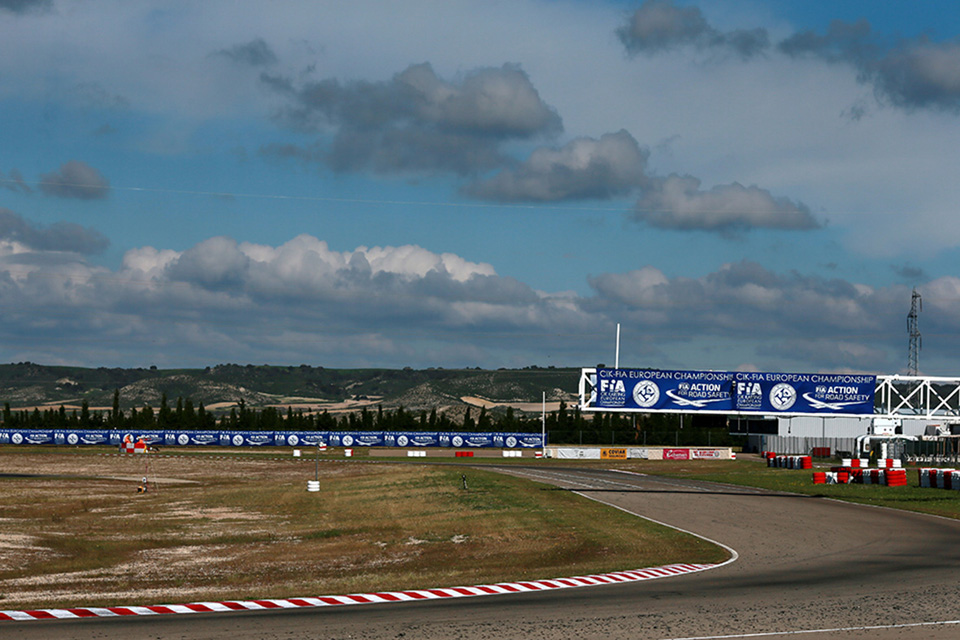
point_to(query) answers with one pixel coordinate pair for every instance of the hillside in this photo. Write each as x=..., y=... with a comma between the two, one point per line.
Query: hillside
x=27, y=385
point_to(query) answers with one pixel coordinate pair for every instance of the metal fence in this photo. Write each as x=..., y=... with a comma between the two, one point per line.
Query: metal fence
x=800, y=445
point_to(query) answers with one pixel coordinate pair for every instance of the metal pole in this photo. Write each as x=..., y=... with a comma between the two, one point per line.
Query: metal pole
x=616, y=363
x=543, y=427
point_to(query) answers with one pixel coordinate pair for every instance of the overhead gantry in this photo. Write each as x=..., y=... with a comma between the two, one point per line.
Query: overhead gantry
x=890, y=396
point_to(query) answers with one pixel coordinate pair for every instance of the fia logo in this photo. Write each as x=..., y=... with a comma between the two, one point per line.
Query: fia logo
x=612, y=386
x=749, y=389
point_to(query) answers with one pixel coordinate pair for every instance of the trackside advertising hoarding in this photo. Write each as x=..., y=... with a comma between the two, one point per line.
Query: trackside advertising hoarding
x=184, y=438
x=731, y=392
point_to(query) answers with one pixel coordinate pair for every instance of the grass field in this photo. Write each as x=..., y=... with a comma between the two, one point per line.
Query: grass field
x=752, y=471
x=73, y=530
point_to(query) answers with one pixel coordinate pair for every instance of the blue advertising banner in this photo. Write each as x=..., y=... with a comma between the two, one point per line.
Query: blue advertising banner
x=357, y=439
x=246, y=438
x=27, y=436
x=412, y=439
x=653, y=389
x=301, y=438
x=807, y=393
x=150, y=437
x=191, y=438
x=185, y=438
x=76, y=438
x=453, y=439
x=733, y=391
x=518, y=440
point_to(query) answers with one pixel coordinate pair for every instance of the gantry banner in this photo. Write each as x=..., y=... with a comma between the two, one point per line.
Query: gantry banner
x=731, y=391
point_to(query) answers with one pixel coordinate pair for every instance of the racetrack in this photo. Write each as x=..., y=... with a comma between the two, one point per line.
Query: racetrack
x=804, y=564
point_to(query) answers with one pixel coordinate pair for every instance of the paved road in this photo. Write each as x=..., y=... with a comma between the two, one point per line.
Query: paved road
x=804, y=564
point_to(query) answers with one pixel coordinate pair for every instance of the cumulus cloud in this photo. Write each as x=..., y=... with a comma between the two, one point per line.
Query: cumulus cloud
x=25, y=6
x=389, y=306
x=907, y=73
x=616, y=165
x=911, y=73
x=842, y=42
x=396, y=298
x=768, y=311
x=256, y=53
x=922, y=74
x=61, y=236
x=909, y=273
x=660, y=25
x=418, y=122
x=77, y=180
x=223, y=300
x=677, y=202
x=583, y=168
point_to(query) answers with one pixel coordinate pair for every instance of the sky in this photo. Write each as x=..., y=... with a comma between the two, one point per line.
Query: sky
x=737, y=184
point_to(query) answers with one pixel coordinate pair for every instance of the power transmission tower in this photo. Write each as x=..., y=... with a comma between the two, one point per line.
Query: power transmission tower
x=913, y=329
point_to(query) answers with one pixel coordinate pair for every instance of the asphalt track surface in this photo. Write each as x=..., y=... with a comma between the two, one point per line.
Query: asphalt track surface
x=807, y=568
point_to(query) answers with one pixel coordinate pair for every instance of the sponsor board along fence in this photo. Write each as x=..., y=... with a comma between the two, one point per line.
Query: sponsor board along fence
x=303, y=439
x=640, y=453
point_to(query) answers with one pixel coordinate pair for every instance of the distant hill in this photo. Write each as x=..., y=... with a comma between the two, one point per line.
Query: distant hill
x=28, y=385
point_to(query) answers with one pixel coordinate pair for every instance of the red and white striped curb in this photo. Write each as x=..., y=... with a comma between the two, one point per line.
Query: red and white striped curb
x=360, y=598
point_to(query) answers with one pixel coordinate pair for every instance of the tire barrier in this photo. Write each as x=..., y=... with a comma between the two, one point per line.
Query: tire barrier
x=939, y=478
x=857, y=475
x=790, y=462
x=854, y=462
x=831, y=477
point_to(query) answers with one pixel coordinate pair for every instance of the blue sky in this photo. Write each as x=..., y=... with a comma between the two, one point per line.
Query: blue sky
x=739, y=184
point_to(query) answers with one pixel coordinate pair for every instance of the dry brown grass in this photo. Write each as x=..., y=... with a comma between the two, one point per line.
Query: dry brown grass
x=246, y=527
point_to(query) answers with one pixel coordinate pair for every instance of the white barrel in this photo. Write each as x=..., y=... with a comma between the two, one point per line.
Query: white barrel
x=313, y=486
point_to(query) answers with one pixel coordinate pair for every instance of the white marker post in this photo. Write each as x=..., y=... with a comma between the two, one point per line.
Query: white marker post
x=616, y=362
x=543, y=428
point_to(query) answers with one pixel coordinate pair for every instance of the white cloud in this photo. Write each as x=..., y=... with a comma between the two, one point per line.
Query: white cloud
x=677, y=202
x=583, y=168
x=222, y=301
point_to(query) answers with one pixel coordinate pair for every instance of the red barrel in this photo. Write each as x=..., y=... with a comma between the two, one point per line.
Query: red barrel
x=819, y=477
